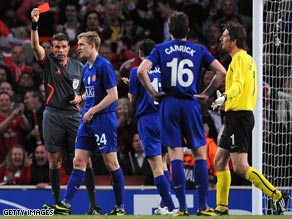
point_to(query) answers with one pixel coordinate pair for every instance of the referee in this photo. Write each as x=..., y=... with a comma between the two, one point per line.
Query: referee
x=62, y=81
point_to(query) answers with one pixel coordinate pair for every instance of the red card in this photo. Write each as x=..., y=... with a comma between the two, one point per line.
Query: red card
x=44, y=7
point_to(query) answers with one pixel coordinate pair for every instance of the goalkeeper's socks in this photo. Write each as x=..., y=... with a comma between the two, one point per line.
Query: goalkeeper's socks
x=202, y=181
x=179, y=183
x=75, y=181
x=163, y=188
x=222, y=190
x=258, y=179
x=54, y=175
x=118, y=186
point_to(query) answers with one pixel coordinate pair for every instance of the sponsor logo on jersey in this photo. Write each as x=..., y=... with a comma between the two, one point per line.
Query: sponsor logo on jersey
x=89, y=91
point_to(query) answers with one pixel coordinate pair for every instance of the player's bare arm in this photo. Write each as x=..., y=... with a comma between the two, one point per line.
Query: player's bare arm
x=112, y=95
x=39, y=51
x=219, y=76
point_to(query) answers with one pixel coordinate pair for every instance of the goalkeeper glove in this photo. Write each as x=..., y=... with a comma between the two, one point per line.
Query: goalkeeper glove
x=221, y=98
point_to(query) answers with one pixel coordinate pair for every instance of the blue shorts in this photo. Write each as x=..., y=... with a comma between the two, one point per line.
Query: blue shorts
x=181, y=118
x=149, y=132
x=100, y=135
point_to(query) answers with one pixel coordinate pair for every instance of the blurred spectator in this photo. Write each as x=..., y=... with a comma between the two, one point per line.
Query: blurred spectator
x=126, y=127
x=113, y=19
x=213, y=44
x=105, y=50
x=47, y=47
x=12, y=124
x=284, y=109
x=34, y=111
x=212, y=16
x=165, y=7
x=72, y=26
x=122, y=53
x=211, y=148
x=16, y=170
x=91, y=22
x=7, y=87
x=92, y=5
x=24, y=83
x=196, y=11
x=24, y=10
x=17, y=62
x=138, y=163
x=5, y=75
x=40, y=169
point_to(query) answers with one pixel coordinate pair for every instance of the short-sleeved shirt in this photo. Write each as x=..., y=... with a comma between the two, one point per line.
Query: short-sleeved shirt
x=61, y=83
x=147, y=111
x=100, y=135
x=145, y=104
x=97, y=79
x=180, y=64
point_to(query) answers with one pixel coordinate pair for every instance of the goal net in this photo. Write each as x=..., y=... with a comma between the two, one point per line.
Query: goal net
x=277, y=96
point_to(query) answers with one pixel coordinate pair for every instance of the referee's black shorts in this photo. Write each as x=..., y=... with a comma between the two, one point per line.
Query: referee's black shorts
x=60, y=129
x=237, y=133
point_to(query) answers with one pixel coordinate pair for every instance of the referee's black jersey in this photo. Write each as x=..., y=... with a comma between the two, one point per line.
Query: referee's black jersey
x=61, y=83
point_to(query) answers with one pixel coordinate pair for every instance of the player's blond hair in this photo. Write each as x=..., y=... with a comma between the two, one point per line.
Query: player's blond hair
x=91, y=37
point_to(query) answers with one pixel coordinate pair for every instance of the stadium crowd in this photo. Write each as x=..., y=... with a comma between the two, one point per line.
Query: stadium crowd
x=121, y=24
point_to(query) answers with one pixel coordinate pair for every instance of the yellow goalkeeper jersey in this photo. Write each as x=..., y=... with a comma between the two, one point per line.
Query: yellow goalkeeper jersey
x=241, y=83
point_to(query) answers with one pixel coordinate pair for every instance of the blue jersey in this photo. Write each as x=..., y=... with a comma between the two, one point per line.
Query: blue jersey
x=181, y=63
x=144, y=103
x=97, y=79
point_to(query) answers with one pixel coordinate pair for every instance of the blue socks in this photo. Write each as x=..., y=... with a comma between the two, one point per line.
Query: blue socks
x=202, y=180
x=164, y=190
x=75, y=181
x=166, y=174
x=118, y=186
x=179, y=183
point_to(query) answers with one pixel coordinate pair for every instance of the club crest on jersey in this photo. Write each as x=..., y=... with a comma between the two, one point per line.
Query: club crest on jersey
x=94, y=78
x=75, y=84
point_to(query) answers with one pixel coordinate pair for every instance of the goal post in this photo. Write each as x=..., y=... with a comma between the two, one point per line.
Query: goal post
x=257, y=45
x=272, y=134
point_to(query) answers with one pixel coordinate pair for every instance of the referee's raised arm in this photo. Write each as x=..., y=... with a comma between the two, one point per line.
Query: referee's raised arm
x=38, y=50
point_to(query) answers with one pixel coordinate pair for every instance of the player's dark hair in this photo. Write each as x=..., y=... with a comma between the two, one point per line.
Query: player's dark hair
x=146, y=46
x=178, y=25
x=236, y=32
x=60, y=37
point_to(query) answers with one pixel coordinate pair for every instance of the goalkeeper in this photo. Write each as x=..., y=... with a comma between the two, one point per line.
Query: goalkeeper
x=240, y=99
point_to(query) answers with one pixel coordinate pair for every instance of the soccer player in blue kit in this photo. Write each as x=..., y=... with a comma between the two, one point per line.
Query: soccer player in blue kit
x=97, y=131
x=180, y=63
x=147, y=112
